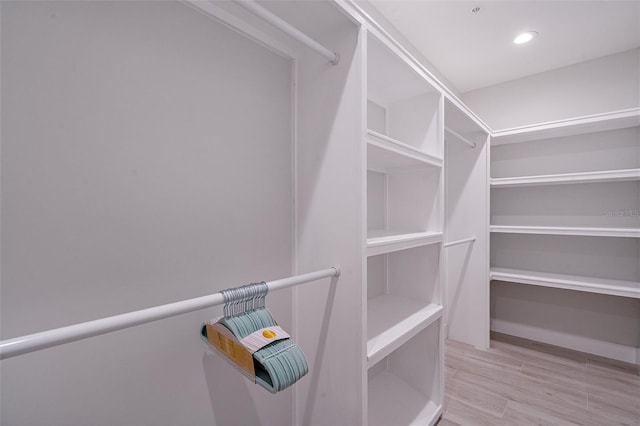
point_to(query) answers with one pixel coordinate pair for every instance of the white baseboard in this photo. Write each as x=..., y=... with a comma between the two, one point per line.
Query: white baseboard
x=629, y=354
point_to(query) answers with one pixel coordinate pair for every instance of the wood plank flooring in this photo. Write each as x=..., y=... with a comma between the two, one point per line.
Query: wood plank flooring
x=521, y=382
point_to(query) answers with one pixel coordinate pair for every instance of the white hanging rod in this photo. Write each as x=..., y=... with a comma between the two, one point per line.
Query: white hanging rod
x=455, y=243
x=58, y=336
x=460, y=137
x=253, y=7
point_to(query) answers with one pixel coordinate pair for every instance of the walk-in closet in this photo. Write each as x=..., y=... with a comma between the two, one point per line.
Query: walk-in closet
x=328, y=212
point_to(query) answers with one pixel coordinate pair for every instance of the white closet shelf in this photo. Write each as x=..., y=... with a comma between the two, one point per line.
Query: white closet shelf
x=568, y=282
x=380, y=242
x=392, y=321
x=459, y=137
x=406, y=402
x=575, y=126
x=568, y=178
x=385, y=153
x=568, y=230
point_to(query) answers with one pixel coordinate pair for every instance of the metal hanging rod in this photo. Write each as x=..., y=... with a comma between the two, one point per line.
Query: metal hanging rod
x=460, y=137
x=253, y=7
x=46, y=339
x=455, y=243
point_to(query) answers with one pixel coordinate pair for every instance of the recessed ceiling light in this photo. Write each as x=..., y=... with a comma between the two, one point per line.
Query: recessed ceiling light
x=525, y=37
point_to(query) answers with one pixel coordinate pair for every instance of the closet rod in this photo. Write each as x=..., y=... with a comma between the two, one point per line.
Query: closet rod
x=455, y=243
x=46, y=339
x=253, y=7
x=460, y=137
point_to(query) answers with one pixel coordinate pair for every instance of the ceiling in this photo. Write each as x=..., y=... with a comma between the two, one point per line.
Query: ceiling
x=475, y=50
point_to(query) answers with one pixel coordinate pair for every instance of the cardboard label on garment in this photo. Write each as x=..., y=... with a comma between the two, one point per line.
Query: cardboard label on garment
x=261, y=338
x=226, y=343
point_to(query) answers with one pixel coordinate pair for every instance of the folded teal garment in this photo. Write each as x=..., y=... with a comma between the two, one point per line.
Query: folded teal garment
x=277, y=365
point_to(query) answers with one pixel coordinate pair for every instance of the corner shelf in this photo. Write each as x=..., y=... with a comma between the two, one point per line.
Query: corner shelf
x=380, y=242
x=392, y=321
x=384, y=152
x=564, y=197
x=575, y=126
x=568, y=178
x=406, y=402
x=568, y=282
x=565, y=230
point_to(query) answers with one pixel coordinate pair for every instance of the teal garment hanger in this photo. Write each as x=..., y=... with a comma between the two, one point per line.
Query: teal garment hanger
x=277, y=365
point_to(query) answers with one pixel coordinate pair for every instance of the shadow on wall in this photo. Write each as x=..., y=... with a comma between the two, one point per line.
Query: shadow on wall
x=454, y=300
x=320, y=352
x=231, y=402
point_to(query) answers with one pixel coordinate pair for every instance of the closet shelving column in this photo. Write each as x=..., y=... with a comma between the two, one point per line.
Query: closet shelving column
x=466, y=286
x=564, y=204
x=404, y=221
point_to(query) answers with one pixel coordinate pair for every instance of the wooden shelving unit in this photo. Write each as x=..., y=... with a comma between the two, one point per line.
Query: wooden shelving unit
x=404, y=149
x=466, y=218
x=575, y=126
x=384, y=153
x=381, y=242
x=566, y=230
x=406, y=407
x=569, y=282
x=583, y=174
x=568, y=178
x=393, y=321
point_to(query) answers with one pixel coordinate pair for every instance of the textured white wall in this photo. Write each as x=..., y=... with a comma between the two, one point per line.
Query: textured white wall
x=606, y=84
x=146, y=159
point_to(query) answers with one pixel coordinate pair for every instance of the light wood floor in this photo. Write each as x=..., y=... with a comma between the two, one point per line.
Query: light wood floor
x=520, y=382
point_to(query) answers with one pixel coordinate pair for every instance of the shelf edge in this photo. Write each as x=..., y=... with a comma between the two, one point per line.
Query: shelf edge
x=570, y=231
x=403, y=149
x=629, y=117
x=378, y=245
x=434, y=312
x=565, y=283
x=568, y=178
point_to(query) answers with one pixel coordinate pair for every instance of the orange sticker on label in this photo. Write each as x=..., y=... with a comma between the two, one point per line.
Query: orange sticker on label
x=269, y=334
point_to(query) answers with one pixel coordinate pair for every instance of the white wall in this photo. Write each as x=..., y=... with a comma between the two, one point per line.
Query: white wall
x=601, y=85
x=146, y=158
